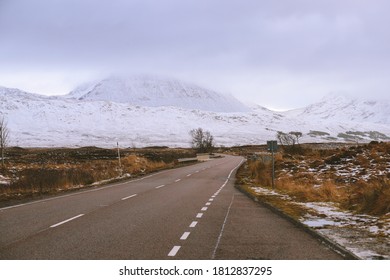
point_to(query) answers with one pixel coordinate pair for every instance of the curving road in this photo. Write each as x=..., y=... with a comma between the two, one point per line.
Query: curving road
x=193, y=212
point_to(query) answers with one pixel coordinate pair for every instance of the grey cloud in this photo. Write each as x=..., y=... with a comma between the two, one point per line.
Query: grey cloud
x=251, y=48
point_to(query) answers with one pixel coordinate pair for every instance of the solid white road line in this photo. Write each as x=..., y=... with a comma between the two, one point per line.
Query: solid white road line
x=160, y=186
x=68, y=220
x=127, y=197
x=222, y=228
x=231, y=172
x=224, y=184
x=174, y=251
x=193, y=224
x=185, y=235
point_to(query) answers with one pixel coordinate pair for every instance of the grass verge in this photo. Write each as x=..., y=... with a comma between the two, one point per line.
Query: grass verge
x=38, y=172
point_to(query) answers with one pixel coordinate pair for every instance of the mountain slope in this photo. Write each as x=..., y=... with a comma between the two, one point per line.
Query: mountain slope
x=155, y=92
x=343, y=108
x=36, y=120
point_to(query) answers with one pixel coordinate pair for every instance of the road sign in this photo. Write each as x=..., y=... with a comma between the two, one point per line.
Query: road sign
x=272, y=145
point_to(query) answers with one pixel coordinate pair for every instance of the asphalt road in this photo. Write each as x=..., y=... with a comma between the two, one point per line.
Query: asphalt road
x=193, y=212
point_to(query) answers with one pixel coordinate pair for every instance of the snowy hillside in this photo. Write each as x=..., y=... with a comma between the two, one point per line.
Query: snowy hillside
x=339, y=117
x=79, y=119
x=155, y=92
x=342, y=107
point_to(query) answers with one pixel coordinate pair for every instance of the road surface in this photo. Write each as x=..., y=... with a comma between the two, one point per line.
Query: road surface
x=193, y=212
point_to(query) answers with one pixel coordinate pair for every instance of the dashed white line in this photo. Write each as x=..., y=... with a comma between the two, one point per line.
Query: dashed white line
x=174, y=251
x=178, y=180
x=185, y=235
x=68, y=220
x=130, y=196
x=161, y=186
x=83, y=192
x=193, y=224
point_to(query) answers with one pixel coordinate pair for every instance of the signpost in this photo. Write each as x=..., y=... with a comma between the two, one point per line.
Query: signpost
x=273, y=147
x=119, y=159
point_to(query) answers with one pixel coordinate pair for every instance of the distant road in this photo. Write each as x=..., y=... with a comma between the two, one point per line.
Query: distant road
x=193, y=212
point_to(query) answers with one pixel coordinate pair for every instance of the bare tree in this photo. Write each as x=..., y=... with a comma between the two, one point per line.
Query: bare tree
x=285, y=139
x=202, y=140
x=197, y=139
x=4, y=138
x=208, y=142
x=297, y=135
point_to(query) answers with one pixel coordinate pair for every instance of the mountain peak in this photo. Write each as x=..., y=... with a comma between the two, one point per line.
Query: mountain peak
x=154, y=91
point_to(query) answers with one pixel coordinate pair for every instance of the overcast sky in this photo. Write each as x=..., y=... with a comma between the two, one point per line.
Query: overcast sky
x=278, y=53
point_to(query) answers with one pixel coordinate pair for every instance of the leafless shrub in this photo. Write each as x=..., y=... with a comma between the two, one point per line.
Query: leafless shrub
x=4, y=139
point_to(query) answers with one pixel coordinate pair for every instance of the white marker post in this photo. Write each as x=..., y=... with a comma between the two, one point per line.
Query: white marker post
x=272, y=147
x=119, y=158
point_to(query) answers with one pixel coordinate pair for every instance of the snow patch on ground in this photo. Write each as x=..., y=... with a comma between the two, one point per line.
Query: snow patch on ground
x=366, y=236
x=4, y=180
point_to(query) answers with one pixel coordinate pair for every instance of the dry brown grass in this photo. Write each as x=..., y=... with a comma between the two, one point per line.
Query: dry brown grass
x=326, y=176
x=31, y=179
x=370, y=197
x=260, y=172
x=326, y=192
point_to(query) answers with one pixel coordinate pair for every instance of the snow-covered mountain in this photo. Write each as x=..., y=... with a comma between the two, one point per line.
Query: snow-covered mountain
x=93, y=116
x=156, y=92
x=343, y=107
